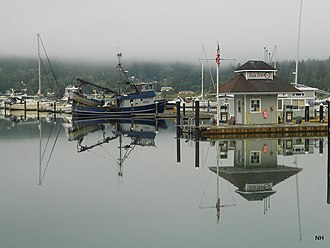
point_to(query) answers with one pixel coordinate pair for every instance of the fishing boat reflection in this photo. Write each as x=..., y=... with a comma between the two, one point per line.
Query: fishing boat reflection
x=139, y=132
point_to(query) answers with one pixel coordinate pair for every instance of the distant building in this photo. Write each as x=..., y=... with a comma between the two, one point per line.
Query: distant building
x=166, y=88
x=255, y=89
x=186, y=92
x=297, y=101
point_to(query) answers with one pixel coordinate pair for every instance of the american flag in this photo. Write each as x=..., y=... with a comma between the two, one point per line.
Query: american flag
x=217, y=57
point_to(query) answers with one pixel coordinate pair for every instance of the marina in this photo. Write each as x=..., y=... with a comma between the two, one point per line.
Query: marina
x=121, y=174
x=166, y=124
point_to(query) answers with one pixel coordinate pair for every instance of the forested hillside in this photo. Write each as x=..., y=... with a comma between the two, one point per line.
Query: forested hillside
x=18, y=73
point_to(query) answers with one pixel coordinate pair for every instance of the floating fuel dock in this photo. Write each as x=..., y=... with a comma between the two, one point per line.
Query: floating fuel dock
x=304, y=128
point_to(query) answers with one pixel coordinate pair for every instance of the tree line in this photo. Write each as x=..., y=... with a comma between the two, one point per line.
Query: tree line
x=19, y=73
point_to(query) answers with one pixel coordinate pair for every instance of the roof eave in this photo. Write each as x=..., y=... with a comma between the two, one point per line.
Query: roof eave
x=254, y=70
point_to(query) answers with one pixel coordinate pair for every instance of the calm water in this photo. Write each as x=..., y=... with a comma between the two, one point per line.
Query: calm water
x=86, y=193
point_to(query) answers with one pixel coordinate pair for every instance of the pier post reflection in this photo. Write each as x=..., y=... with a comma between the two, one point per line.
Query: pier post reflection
x=328, y=195
x=178, y=150
x=197, y=154
x=321, y=141
x=178, y=132
x=328, y=191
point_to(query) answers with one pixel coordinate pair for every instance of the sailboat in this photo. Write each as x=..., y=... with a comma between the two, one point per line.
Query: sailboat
x=140, y=100
x=26, y=102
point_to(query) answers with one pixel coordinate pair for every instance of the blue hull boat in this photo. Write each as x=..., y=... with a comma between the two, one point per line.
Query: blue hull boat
x=141, y=99
x=118, y=112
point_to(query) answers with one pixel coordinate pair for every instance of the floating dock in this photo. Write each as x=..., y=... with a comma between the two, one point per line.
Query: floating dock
x=260, y=131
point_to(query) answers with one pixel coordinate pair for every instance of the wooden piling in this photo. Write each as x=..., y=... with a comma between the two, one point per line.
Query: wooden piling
x=178, y=117
x=132, y=108
x=307, y=113
x=156, y=108
x=197, y=133
x=321, y=112
x=38, y=109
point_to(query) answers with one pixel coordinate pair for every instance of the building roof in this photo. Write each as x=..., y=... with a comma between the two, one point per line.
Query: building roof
x=240, y=177
x=239, y=84
x=305, y=87
x=255, y=196
x=255, y=65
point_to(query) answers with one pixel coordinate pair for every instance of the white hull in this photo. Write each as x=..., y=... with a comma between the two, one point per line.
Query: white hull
x=30, y=106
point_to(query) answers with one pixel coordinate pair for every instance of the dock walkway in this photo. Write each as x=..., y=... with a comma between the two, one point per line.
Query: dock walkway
x=264, y=130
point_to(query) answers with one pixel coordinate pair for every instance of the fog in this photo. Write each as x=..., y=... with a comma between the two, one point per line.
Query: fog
x=171, y=30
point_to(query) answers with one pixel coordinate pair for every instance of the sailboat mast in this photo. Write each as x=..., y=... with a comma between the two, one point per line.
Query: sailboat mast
x=202, y=81
x=298, y=44
x=39, y=71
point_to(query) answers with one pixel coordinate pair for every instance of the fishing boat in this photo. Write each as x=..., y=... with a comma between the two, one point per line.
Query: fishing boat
x=141, y=99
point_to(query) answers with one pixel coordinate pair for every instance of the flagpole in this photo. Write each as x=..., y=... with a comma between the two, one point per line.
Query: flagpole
x=217, y=60
x=218, y=104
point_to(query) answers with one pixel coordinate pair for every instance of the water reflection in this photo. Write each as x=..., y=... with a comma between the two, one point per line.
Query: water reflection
x=25, y=125
x=129, y=132
x=255, y=168
x=253, y=187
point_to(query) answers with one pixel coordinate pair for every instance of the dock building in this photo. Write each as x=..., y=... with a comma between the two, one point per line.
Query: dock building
x=256, y=88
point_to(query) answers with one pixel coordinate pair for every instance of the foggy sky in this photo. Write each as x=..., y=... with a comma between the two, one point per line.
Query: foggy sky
x=171, y=30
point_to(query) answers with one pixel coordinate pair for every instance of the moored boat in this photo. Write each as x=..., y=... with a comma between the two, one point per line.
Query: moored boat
x=140, y=100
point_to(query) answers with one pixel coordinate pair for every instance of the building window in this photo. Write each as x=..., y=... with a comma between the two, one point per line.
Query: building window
x=298, y=94
x=255, y=105
x=279, y=104
x=239, y=106
x=255, y=157
x=298, y=103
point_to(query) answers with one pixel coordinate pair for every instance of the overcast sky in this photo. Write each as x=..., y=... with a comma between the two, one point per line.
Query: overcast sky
x=165, y=30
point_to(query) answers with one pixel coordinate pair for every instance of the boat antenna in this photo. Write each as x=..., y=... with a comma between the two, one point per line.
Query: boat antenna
x=119, y=55
x=298, y=44
x=125, y=78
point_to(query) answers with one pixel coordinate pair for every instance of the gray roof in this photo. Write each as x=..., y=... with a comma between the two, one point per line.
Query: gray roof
x=255, y=196
x=240, y=84
x=240, y=177
x=255, y=65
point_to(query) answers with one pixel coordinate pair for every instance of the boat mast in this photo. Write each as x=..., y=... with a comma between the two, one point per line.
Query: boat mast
x=39, y=71
x=298, y=45
x=202, y=81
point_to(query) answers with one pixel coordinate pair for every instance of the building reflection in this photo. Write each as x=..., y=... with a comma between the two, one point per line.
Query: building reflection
x=255, y=170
